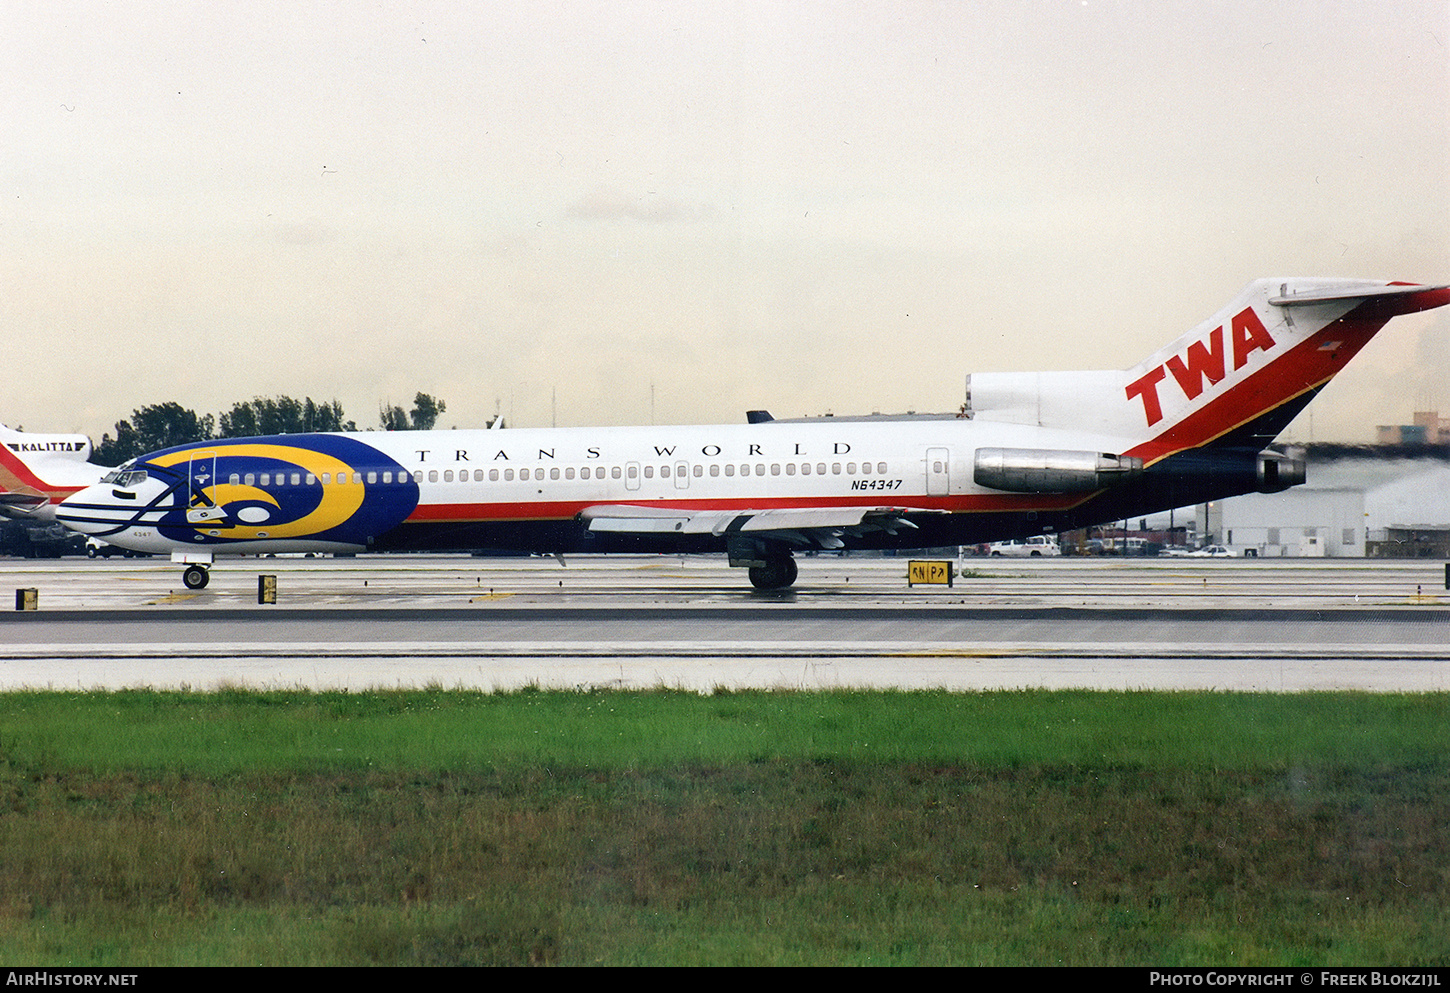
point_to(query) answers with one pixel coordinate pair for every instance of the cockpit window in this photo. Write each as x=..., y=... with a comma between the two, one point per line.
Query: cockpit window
x=125, y=477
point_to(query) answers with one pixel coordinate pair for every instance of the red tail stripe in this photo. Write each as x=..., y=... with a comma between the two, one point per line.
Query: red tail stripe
x=1302, y=368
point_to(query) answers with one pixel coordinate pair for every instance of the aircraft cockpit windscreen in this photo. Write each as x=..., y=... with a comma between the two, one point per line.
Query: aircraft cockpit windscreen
x=125, y=477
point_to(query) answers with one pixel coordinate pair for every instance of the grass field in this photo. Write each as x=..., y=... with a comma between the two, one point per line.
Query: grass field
x=432, y=827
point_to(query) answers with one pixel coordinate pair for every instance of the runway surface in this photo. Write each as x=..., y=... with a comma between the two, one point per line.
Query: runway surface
x=693, y=623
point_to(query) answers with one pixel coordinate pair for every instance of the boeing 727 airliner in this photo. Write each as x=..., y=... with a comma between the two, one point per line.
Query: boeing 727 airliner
x=1031, y=453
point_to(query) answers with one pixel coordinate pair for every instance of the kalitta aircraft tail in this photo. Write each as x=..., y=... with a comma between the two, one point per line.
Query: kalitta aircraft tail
x=1235, y=381
x=38, y=471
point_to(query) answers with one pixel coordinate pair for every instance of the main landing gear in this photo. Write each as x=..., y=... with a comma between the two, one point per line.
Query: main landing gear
x=778, y=573
x=771, y=566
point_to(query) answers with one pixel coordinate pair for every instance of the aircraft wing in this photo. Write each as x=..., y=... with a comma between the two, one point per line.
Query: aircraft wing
x=802, y=526
x=19, y=504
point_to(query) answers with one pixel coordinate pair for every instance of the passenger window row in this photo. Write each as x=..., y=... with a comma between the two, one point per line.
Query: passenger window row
x=728, y=469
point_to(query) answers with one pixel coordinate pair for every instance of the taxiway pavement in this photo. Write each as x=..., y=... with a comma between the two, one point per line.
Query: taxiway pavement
x=692, y=623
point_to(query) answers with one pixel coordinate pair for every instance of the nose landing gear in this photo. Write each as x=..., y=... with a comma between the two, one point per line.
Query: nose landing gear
x=198, y=568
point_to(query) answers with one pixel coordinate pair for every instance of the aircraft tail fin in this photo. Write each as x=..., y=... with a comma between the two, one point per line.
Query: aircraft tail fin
x=1236, y=380
x=37, y=471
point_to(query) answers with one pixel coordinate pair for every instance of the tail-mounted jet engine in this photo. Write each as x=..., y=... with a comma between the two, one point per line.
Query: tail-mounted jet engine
x=1232, y=470
x=1047, y=470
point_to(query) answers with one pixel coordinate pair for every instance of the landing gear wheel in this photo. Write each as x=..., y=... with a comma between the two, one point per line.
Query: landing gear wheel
x=195, y=577
x=776, y=574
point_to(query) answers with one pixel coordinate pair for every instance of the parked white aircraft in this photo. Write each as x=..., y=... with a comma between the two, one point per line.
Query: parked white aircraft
x=1031, y=453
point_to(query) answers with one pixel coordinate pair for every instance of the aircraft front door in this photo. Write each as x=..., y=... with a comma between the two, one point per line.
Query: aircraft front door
x=201, y=498
x=938, y=472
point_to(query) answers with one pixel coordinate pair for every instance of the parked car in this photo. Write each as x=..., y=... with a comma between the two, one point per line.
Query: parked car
x=1214, y=552
x=1038, y=546
x=95, y=547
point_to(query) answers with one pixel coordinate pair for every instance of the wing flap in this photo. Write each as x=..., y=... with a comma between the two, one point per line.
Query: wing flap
x=795, y=525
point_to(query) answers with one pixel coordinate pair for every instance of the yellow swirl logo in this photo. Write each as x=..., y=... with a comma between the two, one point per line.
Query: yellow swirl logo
x=327, y=506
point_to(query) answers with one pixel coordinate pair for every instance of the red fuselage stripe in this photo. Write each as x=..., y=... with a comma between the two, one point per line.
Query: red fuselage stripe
x=566, y=509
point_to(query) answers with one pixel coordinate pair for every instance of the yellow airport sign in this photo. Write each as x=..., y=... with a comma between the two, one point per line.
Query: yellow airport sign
x=929, y=572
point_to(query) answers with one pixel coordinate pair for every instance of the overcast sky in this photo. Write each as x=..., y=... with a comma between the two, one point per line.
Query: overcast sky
x=618, y=212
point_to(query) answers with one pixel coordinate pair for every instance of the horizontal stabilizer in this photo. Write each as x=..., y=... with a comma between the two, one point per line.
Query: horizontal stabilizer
x=1350, y=289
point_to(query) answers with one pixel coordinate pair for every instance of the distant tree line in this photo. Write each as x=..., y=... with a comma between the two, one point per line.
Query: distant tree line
x=163, y=425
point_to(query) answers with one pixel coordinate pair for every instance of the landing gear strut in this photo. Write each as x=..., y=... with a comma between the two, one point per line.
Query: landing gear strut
x=778, y=573
x=195, y=577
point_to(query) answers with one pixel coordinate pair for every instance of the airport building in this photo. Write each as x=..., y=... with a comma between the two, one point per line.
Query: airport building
x=1429, y=428
x=1376, y=502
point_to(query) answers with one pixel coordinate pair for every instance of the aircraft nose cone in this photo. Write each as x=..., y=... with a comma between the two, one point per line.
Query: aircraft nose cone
x=77, y=511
